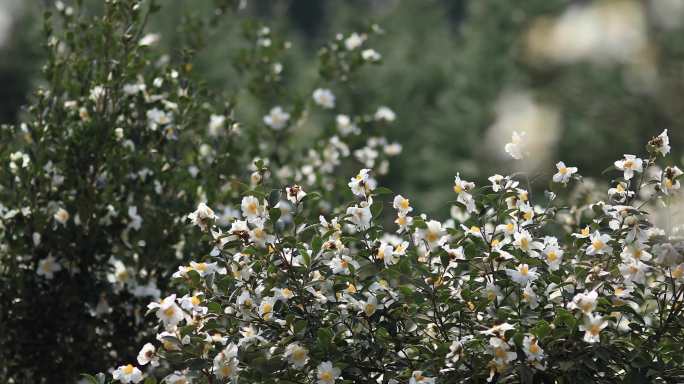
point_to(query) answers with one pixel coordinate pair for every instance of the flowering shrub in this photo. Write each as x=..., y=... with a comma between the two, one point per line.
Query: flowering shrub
x=516, y=287
x=119, y=143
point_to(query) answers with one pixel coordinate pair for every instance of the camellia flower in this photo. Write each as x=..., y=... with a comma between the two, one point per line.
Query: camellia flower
x=251, y=208
x=418, y=378
x=433, y=233
x=147, y=355
x=553, y=257
x=599, y=244
x=523, y=274
x=501, y=351
x=266, y=307
x=402, y=204
x=370, y=305
x=340, y=265
x=324, y=97
x=516, y=148
x=661, y=143
x=295, y=193
x=532, y=350
x=326, y=373
x=296, y=355
x=354, y=41
x=362, y=183
x=629, y=165
x=525, y=242
x=385, y=114
x=361, y=214
x=593, y=324
x=634, y=271
x=564, y=173
x=277, y=118
x=168, y=311
x=669, y=180
x=202, y=216
x=127, y=374
x=226, y=363
x=586, y=302
x=48, y=266
x=62, y=216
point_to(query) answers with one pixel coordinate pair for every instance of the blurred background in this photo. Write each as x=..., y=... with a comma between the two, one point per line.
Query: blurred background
x=587, y=80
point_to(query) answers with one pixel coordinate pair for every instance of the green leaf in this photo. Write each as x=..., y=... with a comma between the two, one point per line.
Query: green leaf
x=379, y=191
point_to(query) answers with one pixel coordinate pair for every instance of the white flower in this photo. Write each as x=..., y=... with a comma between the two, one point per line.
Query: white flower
x=361, y=214
x=370, y=305
x=401, y=204
x=340, y=265
x=354, y=41
x=252, y=209
x=346, y=126
x=226, y=363
x=296, y=355
x=324, y=98
x=147, y=355
x=266, y=307
x=629, y=165
x=277, y=118
x=385, y=114
x=202, y=216
x=634, y=271
x=661, y=143
x=128, y=374
x=433, y=233
x=564, y=173
x=525, y=242
x=362, y=183
x=522, y=274
x=593, y=324
x=295, y=194
x=500, y=349
x=48, y=266
x=168, y=311
x=530, y=297
x=553, y=256
x=370, y=55
x=532, y=349
x=599, y=244
x=669, y=179
x=585, y=302
x=216, y=124
x=158, y=117
x=326, y=373
x=62, y=216
x=418, y=378
x=516, y=148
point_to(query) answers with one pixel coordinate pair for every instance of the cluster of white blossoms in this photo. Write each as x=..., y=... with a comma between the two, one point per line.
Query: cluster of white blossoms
x=483, y=296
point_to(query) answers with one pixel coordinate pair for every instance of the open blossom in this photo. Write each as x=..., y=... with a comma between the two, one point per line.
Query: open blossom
x=326, y=373
x=553, y=257
x=670, y=179
x=296, y=355
x=202, y=216
x=402, y=204
x=432, y=233
x=127, y=374
x=371, y=55
x=516, y=148
x=324, y=97
x=385, y=114
x=418, y=378
x=147, y=355
x=593, y=325
x=629, y=165
x=523, y=274
x=168, y=311
x=362, y=184
x=634, y=271
x=564, y=173
x=360, y=215
x=501, y=351
x=585, y=302
x=277, y=118
x=354, y=41
x=462, y=189
x=661, y=143
x=252, y=209
x=532, y=349
x=340, y=265
x=266, y=307
x=48, y=266
x=295, y=193
x=599, y=244
x=226, y=363
x=525, y=242
x=61, y=216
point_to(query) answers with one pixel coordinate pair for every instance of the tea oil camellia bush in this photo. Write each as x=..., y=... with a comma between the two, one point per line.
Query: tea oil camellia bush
x=119, y=143
x=153, y=231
